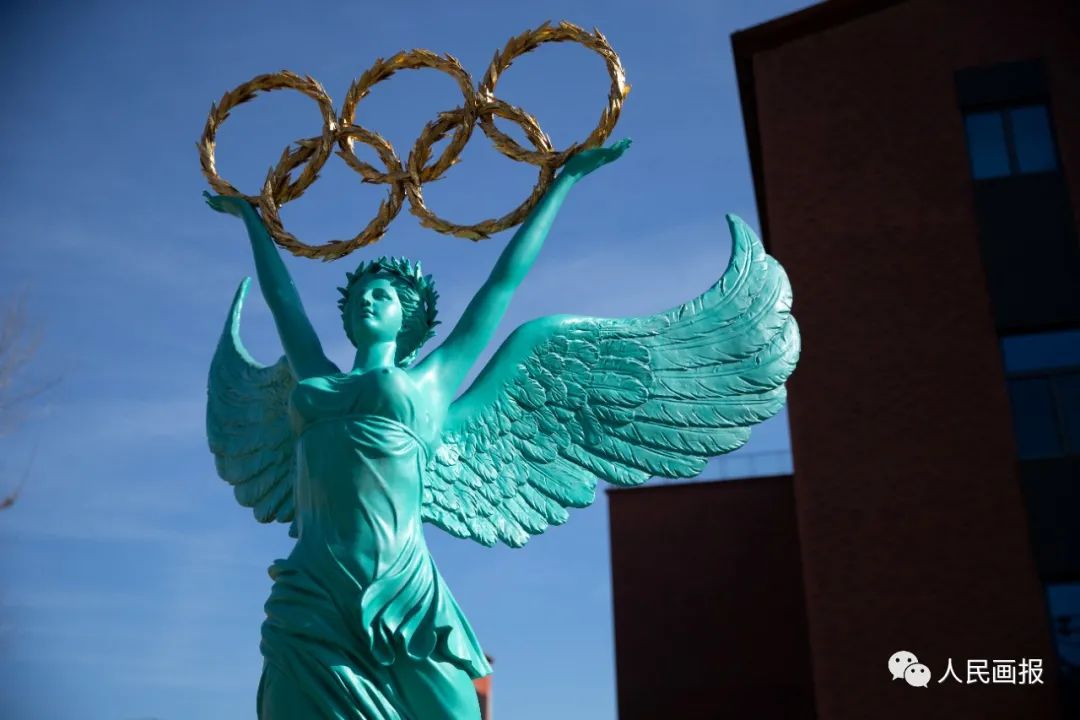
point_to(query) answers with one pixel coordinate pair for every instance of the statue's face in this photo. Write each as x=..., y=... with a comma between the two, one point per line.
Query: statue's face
x=374, y=311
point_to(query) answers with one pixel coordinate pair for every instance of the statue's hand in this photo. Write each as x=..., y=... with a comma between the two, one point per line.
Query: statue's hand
x=235, y=206
x=586, y=161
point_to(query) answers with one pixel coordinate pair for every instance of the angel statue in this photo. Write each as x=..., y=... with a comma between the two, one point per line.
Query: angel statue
x=359, y=623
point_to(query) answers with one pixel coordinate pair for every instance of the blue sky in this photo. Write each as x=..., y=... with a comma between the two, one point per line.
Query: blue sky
x=132, y=583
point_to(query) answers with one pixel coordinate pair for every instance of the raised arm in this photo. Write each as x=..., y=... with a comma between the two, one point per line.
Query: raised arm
x=446, y=367
x=302, y=346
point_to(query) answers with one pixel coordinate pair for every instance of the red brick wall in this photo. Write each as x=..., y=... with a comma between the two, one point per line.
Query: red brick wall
x=912, y=527
x=709, y=614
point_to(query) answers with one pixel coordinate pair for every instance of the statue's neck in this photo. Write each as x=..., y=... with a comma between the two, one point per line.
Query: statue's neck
x=374, y=356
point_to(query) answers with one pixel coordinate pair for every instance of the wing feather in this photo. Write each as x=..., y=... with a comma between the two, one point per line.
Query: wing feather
x=247, y=423
x=568, y=401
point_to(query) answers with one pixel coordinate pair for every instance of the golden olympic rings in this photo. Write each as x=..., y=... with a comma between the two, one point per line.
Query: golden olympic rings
x=316, y=149
x=405, y=179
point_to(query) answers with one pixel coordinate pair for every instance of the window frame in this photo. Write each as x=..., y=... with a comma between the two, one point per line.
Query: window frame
x=1004, y=111
x=1058, y=402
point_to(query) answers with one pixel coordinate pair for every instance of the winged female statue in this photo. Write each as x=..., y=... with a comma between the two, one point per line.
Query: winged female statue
x=359, y=623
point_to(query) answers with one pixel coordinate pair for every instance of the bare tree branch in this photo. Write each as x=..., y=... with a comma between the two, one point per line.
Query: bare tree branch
x=8, y=501
x=17, y=349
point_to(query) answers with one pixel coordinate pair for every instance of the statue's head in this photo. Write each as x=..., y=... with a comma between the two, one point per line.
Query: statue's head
x=389, y=299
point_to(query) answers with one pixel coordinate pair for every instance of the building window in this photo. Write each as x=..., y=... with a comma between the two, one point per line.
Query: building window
x=1010, y=141
x=1043, y=374
x=1064, y=602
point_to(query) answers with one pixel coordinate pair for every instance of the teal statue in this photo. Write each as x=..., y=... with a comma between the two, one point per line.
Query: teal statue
x=359, y=623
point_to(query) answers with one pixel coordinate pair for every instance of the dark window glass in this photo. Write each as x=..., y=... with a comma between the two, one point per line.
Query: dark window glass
x=1032, y=139
x=1010, y=141
x=1041, y=351
x=1043, y=372
x=986, y=145
x=1064, y=601
x=1034, y=419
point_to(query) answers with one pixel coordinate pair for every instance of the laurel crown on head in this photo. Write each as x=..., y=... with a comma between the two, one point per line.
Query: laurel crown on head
x=416, y=293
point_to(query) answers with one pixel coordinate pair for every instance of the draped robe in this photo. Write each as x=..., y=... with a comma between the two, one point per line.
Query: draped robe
x=359, y=623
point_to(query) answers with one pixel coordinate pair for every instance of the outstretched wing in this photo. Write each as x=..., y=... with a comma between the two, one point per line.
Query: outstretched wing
x=247, y=423
x=568, y=400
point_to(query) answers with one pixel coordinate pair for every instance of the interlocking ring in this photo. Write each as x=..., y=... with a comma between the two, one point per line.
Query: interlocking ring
x=334, y=249
x=316, y=149
x=383, y=69
x=528, y=41
x=406, y=181
x=435, y=131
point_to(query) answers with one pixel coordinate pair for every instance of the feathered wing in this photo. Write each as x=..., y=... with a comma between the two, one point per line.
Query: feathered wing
x=569, y=400
x=247, y=424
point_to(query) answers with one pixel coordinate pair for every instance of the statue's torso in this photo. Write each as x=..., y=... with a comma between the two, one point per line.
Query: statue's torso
x=359, y=582
x=361, y=456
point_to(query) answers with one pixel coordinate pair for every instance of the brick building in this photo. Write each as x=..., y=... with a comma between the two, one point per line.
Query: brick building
x=915, y=165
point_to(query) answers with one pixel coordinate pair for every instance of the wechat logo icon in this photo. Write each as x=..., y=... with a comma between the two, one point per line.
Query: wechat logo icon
x=903, y=665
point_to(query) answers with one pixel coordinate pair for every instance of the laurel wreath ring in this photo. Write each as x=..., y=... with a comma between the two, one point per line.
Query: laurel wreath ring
x=405, y=180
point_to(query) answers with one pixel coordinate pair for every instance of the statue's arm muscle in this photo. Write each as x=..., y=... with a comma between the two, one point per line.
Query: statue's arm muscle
x=301, y=344
x=448, y=365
